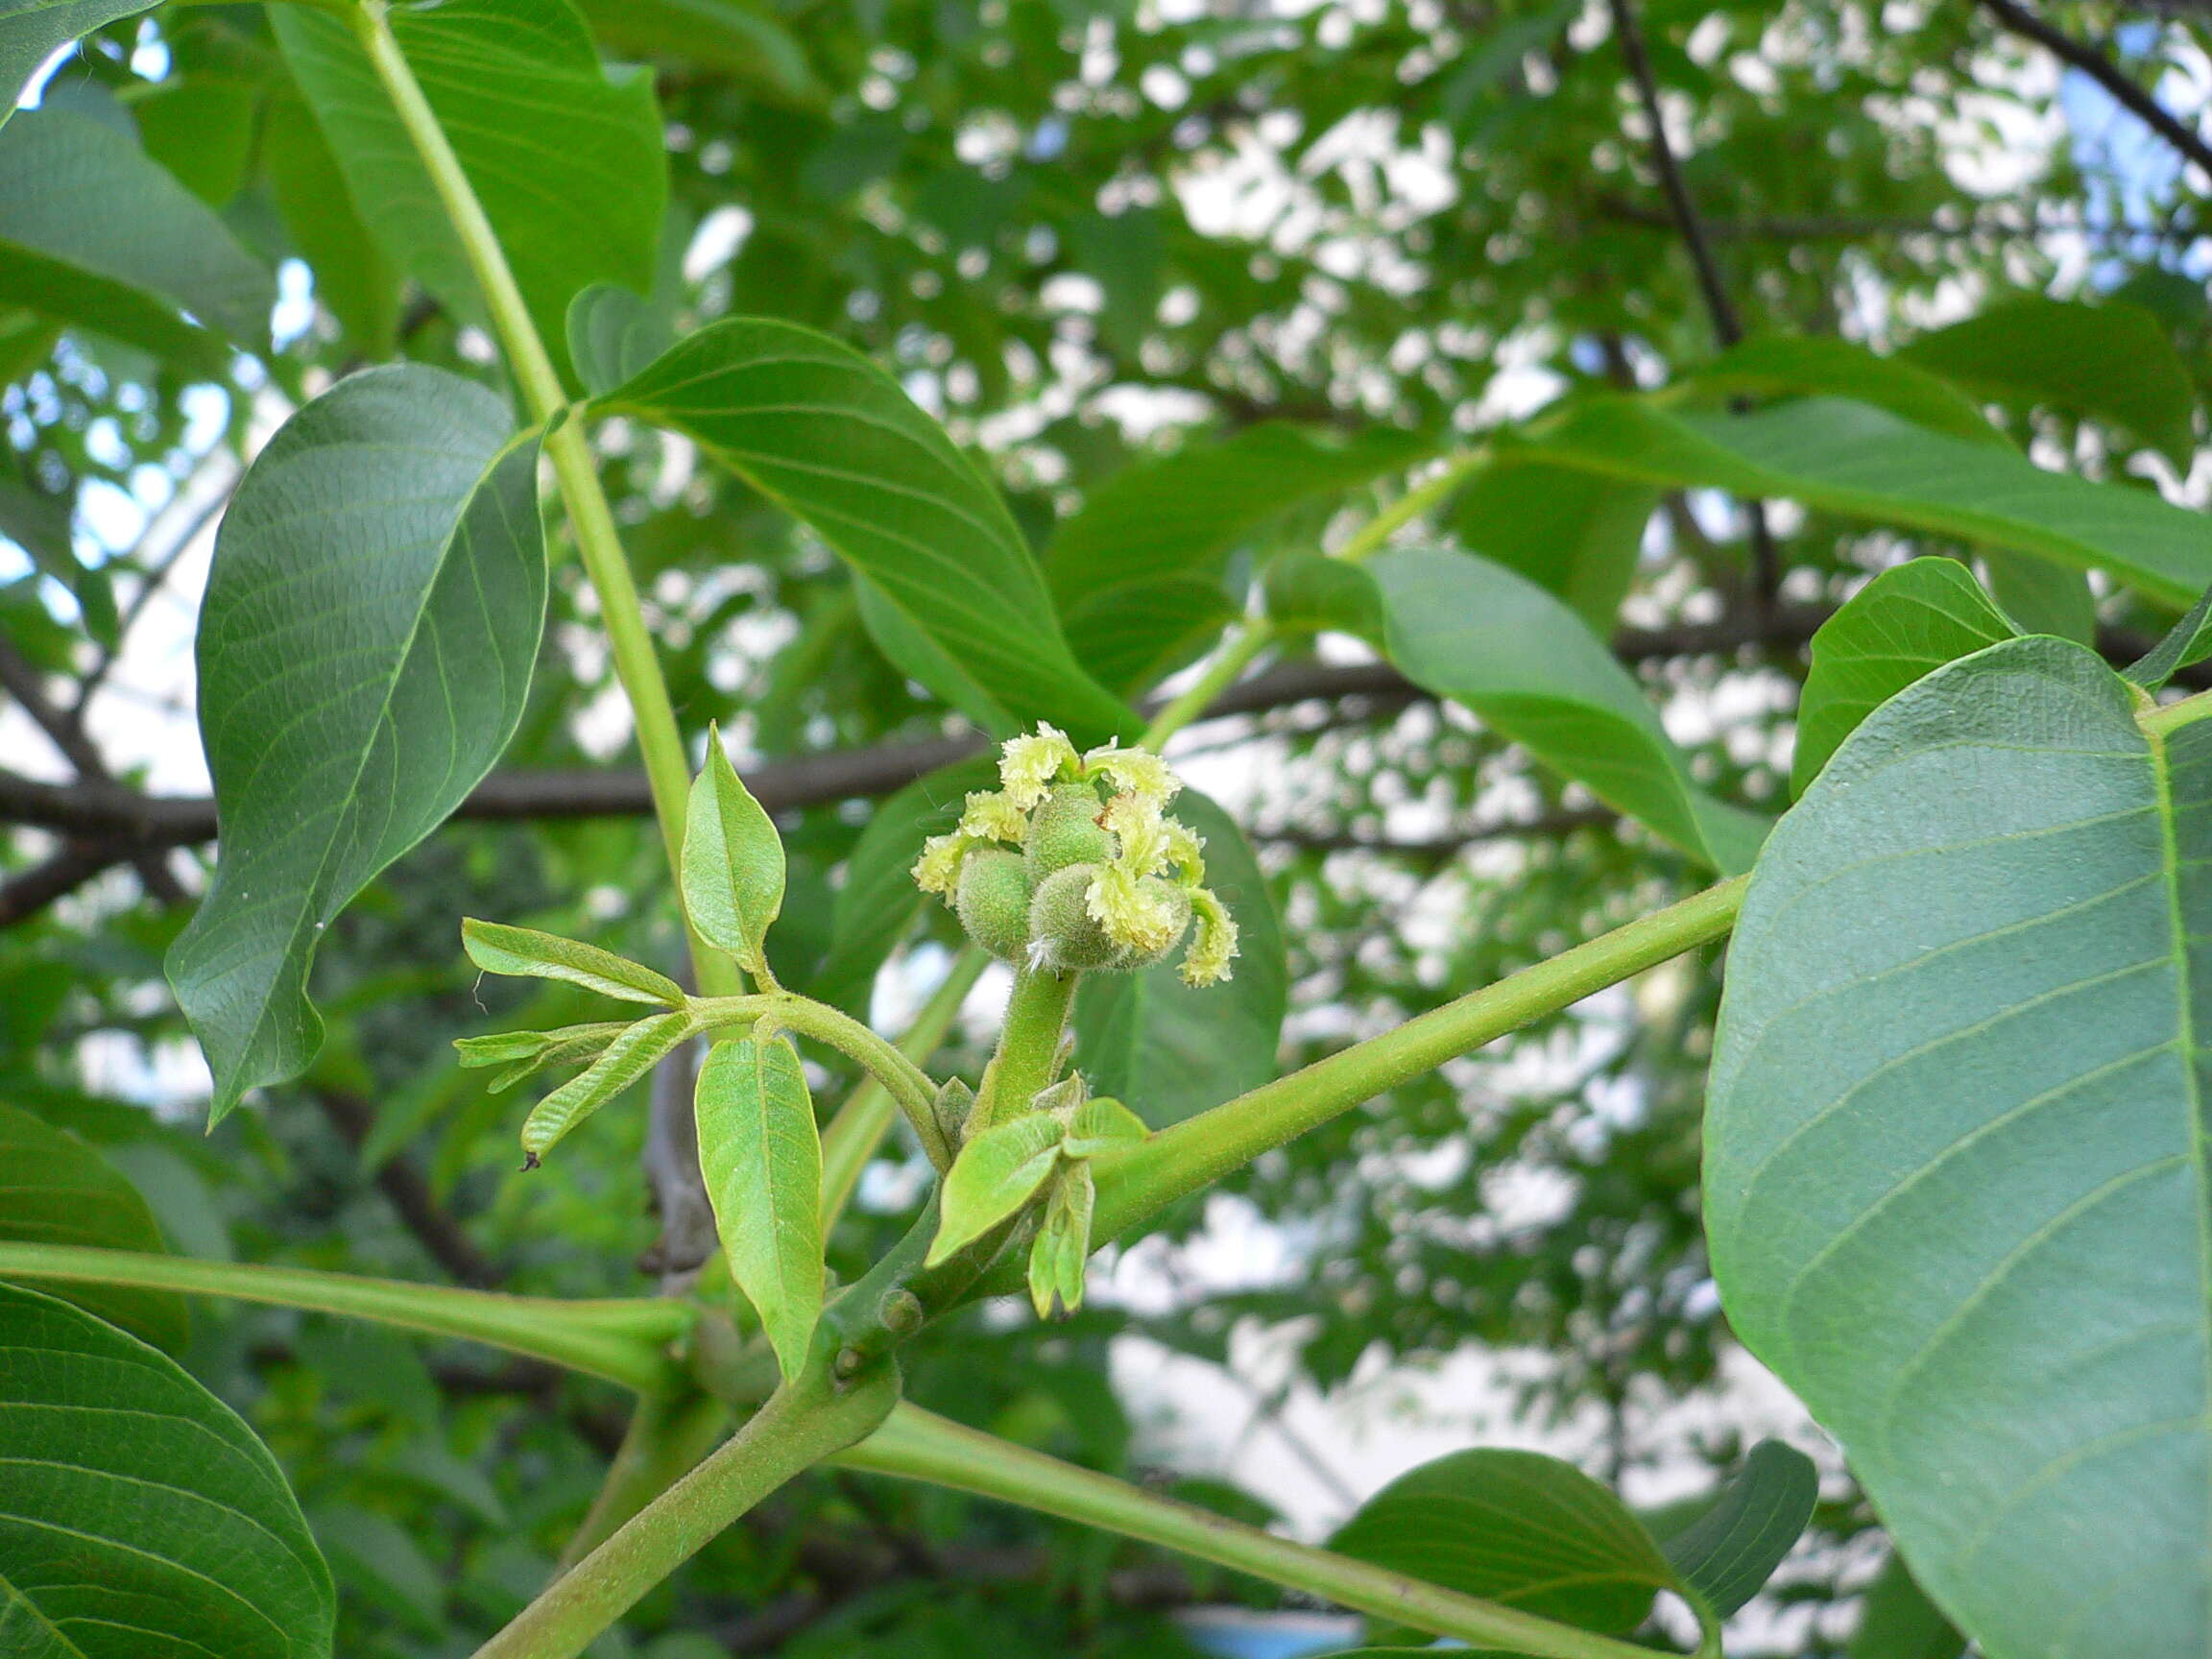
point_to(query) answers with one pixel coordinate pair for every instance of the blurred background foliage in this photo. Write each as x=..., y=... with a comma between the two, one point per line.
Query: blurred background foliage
x=1087, y=236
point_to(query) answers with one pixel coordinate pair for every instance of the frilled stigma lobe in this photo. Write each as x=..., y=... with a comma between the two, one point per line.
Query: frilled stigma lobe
x=1141, y=892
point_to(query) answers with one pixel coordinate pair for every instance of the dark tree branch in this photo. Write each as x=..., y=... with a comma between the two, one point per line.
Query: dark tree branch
x=108, y=820
x=1727, y=327
x=157, y=574
x=23, y=681
x=2125, y=92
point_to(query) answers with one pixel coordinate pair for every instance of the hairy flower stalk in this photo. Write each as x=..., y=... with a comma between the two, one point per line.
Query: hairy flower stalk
x=1073, y=865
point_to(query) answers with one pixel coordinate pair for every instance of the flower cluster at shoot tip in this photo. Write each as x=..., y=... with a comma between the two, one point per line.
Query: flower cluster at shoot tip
x=1140, y=886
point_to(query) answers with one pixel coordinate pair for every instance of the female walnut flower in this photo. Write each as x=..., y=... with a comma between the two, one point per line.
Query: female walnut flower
x=1104, y=881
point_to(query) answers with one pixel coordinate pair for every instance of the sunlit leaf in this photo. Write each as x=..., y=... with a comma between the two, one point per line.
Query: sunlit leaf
x=519, y=88
x=761, y=1155
x=822, y=431
x=733, y=867
x=995, y=1173
x=1472, y=631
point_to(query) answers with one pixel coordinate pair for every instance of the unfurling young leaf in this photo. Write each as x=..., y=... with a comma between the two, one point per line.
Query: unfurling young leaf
x=519, y=1054
x=733, y=863
x=995, y=1175
x=628, y=1058
x=761, y=1155
x=1099, y=1124
x=1063, y=1246
x=524, y=953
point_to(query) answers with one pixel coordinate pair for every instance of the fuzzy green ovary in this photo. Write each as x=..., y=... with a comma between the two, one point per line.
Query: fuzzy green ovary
x=1068, y=938
x=993, y=903
x=1066, y=831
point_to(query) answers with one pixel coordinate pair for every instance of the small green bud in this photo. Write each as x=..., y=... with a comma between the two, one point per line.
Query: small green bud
x=900, y=1313
x=1063, y=1097
x=1066, y=830
x=992, y=902
x=954, y=1101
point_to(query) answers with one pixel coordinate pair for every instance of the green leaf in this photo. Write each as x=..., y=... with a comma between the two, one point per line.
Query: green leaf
x=1954, y=1179
x=908, y=648
x=1133, y=638
x=566, y=159
x=525, y=953
x=2042, y=596
x=372, y=619
x=1470, y=630
x=32, y=31
x=1101, y=1124
x=879, y=899
x=613, y=334
x=354, y=280
x=1728, y=1553
x=761, y=1155
x=995, y=1175
x=1310, y=592
x=1149, y=535
x=95, y=234
x=628, y=1058
x=1821, y=366
x=201, y=127
x=1898, y=1621
x=746, y=44
x=523, y=1053
x=55, y=1189
x=733, y=862
x=143, y=1516
x=1864, y=463
x=2111, y=361
x=1062, y=1249
x=2188, y=643
x=1169, y=1049
x=1515, y=1527
x=1905, y=624
x=1572, y=534
x=821, y=431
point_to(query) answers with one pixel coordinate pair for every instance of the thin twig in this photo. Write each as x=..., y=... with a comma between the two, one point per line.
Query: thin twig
x=23, y=681
x=156, y=574
x=1717, y=306
x=1727, y=325
x=2125, y=92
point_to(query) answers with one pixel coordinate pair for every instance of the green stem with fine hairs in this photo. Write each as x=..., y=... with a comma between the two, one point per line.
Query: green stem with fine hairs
x=624, y=1341
x=919, y=1445
x=1137, y=1184
x=667, y=769
x=858, y=1127
x=1028, y=1043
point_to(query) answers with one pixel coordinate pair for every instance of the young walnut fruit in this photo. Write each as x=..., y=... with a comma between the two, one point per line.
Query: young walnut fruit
x=1104, y=881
